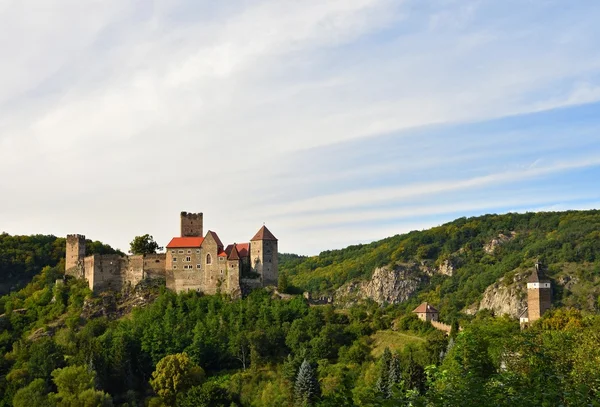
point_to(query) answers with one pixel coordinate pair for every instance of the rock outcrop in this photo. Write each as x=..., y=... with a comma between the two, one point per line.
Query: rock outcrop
x=386, y=286
x=491, y=247
x=446, y=268
x=506, y=297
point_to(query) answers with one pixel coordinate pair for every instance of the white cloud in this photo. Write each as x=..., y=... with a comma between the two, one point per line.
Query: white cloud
x=130, y=111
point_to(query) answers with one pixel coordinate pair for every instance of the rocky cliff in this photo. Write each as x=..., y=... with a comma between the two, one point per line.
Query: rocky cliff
x=505, y=296
x=386, y=286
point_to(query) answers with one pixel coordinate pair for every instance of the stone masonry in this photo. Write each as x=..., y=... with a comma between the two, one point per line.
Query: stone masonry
x=191, y=262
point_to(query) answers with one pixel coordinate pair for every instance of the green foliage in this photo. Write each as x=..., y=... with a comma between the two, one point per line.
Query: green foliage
x=306, y=389
x=144, y=244
x=75, y=385
x=175, y=374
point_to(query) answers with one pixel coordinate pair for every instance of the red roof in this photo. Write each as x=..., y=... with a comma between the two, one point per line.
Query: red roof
x=232, y=253
x=178, y=242
x=243, y=249
x=425, y=308
x=222, y=254
x=263, y=234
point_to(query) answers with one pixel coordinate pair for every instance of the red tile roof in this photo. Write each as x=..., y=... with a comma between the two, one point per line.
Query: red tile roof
x=232, y=253
x=263, y=234
x=425, y=308
x=243, y=249
x=222, y=253
x=178, y=242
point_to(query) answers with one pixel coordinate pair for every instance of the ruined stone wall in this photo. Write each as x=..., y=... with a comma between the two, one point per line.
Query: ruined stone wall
x=155, y=266
x=75, y=254
x=132, y=270
x=107, y=272
x=191, y=224
x=88, y=271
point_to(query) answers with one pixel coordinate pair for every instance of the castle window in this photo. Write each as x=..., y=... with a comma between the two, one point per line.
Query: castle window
x=197, y=251
x=188, y=259
x=180, y=251
x=174, y=259
x=189, y=251
x=221, y=258
x=174, y=267
x=198, y=266
x=172, y=251
x=208, y=259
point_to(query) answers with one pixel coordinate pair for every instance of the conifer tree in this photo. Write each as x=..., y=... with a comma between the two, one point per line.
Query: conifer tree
x=394, y=376
x=306, y=389
x=382, y=384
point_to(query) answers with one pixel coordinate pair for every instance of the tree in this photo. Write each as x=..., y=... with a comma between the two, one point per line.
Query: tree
x=382, y=384
x=175, y=374
x=282, y=283
x=75, y=386
x=306, y=389
x=143, y=245
x=34, y=395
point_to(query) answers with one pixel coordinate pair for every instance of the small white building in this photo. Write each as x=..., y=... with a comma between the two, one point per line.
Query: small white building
x=426, y=312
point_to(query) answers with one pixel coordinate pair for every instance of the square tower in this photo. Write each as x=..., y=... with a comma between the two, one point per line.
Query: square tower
x=539, y=294
x=75, y=253
x=263, y=256
x=191, y=225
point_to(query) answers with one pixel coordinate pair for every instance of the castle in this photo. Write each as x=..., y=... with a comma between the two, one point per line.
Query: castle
x=193, y=261
x=539, y=296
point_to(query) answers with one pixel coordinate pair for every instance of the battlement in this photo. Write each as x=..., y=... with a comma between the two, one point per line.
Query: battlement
x=191, y=224
x=75, y=238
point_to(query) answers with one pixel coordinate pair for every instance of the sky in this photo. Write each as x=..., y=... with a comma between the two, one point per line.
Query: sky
x=333, y=122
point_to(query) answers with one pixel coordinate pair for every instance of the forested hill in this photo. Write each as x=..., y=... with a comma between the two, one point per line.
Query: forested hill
x=22, y=257
x=481, y=249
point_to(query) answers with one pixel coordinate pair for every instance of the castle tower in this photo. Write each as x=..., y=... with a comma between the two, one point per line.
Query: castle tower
x=75, y=253
x=263, y=256
x=539, y=294
x=191, y=225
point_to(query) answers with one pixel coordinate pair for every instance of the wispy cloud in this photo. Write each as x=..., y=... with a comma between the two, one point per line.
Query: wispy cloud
x=116, y=115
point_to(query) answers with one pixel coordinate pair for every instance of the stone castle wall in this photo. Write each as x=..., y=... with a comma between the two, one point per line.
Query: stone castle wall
x=184, y=269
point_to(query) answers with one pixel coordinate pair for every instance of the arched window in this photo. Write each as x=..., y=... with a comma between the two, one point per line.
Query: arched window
x=208, y=259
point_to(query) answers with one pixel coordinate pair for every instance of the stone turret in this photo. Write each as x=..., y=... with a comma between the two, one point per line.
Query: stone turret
x=75, y=253
x=263, y=255
x=191, y=224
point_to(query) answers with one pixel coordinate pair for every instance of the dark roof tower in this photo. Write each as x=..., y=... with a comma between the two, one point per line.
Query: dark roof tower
x=263, y=234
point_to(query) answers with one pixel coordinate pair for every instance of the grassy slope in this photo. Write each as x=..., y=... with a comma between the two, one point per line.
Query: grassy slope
x=394, y=340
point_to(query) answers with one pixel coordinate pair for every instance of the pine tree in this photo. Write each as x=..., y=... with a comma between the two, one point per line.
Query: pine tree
x=306, y=389
x=382, y=384
x=394, y=376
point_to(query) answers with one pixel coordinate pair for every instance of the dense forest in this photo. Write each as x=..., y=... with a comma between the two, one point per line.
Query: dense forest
x=57, y=348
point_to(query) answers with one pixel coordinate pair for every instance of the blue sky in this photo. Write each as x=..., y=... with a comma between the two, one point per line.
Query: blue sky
x=334, y=122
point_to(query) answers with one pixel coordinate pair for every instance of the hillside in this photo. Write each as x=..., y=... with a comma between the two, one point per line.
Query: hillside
x=22, y=257
x=61, y=344
x=457, y=261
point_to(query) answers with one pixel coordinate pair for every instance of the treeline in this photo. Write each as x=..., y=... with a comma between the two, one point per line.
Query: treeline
x=554, y=238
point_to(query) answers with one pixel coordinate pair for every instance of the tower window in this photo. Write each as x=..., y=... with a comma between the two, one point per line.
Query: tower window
x=188, y=259
x=208, y=259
